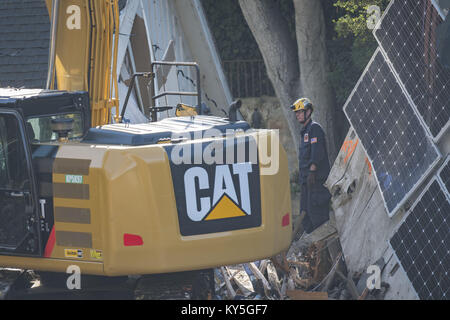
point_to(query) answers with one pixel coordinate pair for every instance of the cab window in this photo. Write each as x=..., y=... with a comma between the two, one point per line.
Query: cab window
x=42, y=127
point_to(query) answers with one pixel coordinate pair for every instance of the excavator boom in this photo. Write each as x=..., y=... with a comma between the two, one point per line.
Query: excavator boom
x=83, y=54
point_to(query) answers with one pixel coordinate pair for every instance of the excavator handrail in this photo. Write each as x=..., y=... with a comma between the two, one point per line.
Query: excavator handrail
x=151, y=75
x=171, y=93
x=131, y=87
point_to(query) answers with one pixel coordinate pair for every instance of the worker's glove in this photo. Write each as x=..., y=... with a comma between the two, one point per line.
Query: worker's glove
x=311, y=180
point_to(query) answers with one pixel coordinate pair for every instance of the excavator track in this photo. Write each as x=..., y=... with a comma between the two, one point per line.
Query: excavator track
x=25, y=285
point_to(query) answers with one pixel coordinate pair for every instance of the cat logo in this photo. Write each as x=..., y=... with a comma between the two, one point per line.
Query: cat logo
x=224, y=202
x=213, y=198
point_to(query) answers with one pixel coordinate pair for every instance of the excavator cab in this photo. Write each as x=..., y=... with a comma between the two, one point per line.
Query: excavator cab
x=25, y=124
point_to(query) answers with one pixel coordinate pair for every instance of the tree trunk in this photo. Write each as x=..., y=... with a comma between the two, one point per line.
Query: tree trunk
x=314, y=66
x=280, y=55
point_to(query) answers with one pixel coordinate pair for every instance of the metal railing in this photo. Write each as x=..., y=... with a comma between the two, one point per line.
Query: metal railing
x=248, y=78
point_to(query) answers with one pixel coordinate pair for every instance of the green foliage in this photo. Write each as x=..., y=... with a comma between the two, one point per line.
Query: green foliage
x=350, y=42
x=353, y=21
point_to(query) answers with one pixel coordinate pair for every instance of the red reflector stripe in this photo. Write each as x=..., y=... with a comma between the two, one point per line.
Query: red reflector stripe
x=50, y=244
x=132, y=240
x=286, y=220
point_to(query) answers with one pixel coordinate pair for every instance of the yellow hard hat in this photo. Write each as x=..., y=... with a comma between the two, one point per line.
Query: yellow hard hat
x=302, y=104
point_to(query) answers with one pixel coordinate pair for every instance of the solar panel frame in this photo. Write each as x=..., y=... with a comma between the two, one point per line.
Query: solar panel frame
x=446, y=127
x=439, y=174
x=438, y=8
x=407, y=215
x=420, y=181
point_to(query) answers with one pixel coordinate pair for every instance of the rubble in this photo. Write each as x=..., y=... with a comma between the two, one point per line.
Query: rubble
x=313, y=268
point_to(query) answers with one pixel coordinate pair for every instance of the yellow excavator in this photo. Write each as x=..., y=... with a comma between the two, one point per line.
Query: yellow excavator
x=80, y=188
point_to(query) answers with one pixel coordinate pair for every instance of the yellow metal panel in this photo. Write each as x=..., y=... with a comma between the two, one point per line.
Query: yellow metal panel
x=72, y=45
x=86, y=53
x=85, y=159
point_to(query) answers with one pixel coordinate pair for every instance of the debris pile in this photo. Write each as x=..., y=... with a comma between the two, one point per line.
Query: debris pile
x=312, y=269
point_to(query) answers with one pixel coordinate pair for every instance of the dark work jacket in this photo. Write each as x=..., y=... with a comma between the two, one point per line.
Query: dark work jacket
x=313, y=150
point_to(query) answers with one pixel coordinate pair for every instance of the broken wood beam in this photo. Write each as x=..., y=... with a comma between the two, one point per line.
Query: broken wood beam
x=260, y=276
x=242, y=280
x=263, y=266
x=273, y=278
x=231, y=292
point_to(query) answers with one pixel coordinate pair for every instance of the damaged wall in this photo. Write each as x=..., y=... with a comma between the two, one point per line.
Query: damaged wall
x=361, y=217
x=364, y=226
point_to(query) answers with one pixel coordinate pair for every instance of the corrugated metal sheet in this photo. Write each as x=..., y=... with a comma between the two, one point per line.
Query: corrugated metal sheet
x=24, y=41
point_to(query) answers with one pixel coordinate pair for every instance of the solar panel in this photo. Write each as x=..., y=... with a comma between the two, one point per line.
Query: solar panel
x=408, y=34
x=401, y=152
x=422, y=243
x=442, y=7
x=444, y=174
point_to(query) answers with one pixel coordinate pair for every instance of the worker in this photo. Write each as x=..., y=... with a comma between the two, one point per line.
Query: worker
x=314, y=168
x=257, y=119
